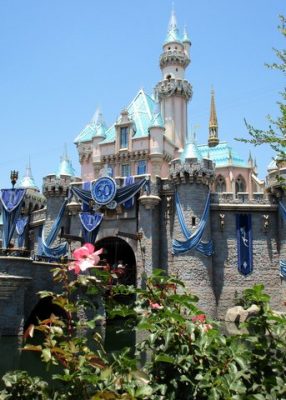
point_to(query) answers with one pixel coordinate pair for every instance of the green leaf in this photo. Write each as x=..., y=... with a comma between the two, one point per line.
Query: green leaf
x=144, y=391
x=46, y=354
x=165, y=358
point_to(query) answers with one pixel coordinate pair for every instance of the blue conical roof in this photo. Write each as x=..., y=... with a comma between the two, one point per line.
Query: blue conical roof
x=27, y=182
x=157, y=120
x=96, y=128
x=191, y=150
x=173, y=31
x=186, y=38
x=65, y=167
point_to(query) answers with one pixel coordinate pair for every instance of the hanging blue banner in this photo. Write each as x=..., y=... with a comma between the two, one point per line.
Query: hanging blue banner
x=90, y=221
x=91, y=224
x=244, y=243
x=11, y=200
x=128, y=180
x=21, y=224
x=283, y=269
x=193, y=240
x=282, y=210
x=85, y=186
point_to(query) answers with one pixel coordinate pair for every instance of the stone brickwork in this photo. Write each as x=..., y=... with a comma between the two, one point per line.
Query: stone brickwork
x=194, y=269
x=152, y=224
x=228, y=282
x=12, y=293
x=22, y=279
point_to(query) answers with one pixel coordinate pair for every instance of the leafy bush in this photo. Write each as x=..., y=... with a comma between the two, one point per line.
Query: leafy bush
x=188, y=357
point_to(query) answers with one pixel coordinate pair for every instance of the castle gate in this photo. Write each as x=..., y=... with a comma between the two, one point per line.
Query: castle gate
x=118, y=251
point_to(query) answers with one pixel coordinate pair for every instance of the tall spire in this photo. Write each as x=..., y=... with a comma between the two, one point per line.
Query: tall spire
x=250, y=160
x=186, y=38
x=213, y=125
x=27, y=181
x=173, y=31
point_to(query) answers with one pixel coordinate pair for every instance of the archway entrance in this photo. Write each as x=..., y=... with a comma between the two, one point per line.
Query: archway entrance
x=117, y=251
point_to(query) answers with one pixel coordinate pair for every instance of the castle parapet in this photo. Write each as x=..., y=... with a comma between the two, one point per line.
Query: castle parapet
x=200, y=171
x=38, y=217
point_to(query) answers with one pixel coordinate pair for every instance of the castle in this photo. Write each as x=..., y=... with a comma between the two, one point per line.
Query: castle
x=155, y=198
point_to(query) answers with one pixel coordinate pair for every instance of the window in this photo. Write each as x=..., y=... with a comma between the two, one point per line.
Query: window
x=141, y=167
x=125, y=170
x=220, y=184
x=123, y=137
x=193, y=221
x=240, y=184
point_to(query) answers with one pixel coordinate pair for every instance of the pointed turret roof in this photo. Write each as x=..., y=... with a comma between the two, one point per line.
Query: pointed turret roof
x=173, y=31
x=213, y=125
x=27, y=182
x=157, y=119
x=250, y=159
x=186, y=38
x=213, y=116
x=65, y=167
x=191, y=150
x=95, y=128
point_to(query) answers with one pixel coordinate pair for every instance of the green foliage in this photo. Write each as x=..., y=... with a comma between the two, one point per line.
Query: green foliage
x=188, y=357
x=19, y=385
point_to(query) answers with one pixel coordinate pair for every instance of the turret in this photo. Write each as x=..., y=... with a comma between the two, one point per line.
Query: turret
x=173, y=91
x=191, y=177
x=156, y=131
x=27, y=182
x=57, y=184
x=87, y=143
x=213, y=125
x=186, y=42
x=250, y=160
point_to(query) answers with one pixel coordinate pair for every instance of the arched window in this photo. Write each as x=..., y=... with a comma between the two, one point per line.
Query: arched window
x=141, y=167
x=220, y=185
x=240, y=185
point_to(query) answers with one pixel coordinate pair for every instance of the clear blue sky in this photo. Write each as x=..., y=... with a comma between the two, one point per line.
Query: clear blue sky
x=60, y=59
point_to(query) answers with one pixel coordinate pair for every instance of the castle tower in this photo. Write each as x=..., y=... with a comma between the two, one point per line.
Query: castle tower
x=191, y=176
x=56, y=189
x=213, y=125
x=173, y=91
x=156, y=131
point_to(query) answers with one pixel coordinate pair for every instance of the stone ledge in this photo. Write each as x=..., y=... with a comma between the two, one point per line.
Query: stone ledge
x=250, y=207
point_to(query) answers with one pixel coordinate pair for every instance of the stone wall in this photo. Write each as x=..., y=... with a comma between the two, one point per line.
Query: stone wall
x=228, y=282
x=30, y=277
x=194, y=269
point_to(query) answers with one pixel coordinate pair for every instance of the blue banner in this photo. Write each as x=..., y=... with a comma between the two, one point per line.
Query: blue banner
x=12, y=201
x=90, y=221
x=193, y=240
x=282, y=209
x=85, y=186
x=244, y=244
x=21, y=225
x=11, y=198
x=91, y=224
x=123, y=194
x=128, y=180
x=283, y=268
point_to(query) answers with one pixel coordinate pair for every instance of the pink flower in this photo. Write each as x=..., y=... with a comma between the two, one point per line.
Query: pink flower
x=200, y=318
x=155, y=306
x=207, y=327
x=85, y=258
